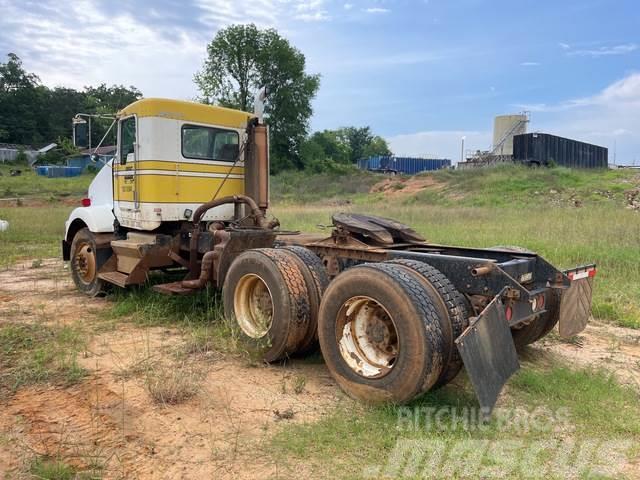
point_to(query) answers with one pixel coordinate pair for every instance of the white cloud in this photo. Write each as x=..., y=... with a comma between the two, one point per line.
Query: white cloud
x=78, y=44
x=530, y=64
x=604, y=51
x=610, y=118
x=348, y=6
x=319, y=16
x=377, y=10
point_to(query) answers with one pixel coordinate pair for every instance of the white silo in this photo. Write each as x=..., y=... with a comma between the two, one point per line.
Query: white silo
x=504, y=128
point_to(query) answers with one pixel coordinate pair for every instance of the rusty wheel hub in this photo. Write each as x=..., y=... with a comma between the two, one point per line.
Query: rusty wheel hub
x=253, y=306
x=367, y=337
x=84, y=263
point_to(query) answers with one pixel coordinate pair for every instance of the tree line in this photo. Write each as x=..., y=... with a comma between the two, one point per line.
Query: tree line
x=34, y=114
x=240, y=59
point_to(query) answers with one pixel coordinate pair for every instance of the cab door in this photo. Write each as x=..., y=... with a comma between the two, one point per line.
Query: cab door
x=127, y=184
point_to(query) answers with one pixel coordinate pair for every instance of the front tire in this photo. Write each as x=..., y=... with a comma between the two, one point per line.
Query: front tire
x=380, y=334
x=85, y=263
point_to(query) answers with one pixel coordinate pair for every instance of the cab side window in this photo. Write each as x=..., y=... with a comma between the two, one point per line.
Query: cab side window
x=207, y=143
x=127, y=137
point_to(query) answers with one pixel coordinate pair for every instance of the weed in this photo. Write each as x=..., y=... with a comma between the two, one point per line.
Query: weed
x=172, y=384
x=37, y=353
x=47, y=468
x=299, y=382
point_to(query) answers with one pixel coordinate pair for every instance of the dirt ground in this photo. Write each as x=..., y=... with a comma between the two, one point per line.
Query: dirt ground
x=110, y=418
x=223, y=431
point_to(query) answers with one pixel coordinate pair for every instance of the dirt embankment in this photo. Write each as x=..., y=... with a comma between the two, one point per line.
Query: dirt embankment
x=396, y=187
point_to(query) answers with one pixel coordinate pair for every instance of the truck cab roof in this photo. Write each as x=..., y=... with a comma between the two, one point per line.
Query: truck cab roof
x=187, y=111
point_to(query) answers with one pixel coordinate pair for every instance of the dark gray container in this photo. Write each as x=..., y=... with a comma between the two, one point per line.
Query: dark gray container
x=545, y=149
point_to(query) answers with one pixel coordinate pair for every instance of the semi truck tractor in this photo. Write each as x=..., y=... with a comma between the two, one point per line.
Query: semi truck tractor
x=394, y=315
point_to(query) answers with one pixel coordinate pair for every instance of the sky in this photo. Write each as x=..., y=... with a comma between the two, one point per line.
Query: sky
x=422, y=73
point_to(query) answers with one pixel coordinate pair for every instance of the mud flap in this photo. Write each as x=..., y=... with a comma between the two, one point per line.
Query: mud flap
x=575, y=307
x=489, y=354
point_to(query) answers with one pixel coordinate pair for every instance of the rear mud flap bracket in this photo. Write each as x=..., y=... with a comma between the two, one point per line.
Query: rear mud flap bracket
x=489, y=354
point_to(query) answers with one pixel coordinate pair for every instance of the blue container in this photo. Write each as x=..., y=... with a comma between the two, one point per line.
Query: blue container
x=42, y=171
x=72, y=171
x=406, y=165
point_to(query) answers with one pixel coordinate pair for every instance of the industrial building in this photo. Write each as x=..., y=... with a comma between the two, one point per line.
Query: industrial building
x=512, y=143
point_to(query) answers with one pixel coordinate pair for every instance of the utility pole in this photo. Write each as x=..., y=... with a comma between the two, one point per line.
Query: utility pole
x=462, y=149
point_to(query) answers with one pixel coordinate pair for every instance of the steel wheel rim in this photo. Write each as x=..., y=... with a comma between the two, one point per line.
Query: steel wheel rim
x=85, y=263
x=253, y=306
x=367, y=337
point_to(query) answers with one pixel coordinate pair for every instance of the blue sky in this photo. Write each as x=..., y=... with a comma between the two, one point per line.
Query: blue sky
x=422, y=73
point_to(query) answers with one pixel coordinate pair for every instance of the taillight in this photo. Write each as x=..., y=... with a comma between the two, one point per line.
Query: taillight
x=86, y=202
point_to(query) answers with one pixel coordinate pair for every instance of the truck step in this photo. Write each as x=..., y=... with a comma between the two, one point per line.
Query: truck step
x=117, y=278
x=174, y=288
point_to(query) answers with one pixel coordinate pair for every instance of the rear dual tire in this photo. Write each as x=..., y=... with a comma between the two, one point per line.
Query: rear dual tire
x=381, y=333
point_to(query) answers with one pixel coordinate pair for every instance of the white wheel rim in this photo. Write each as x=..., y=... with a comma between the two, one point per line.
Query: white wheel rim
x=367, y=337
x=253, y=306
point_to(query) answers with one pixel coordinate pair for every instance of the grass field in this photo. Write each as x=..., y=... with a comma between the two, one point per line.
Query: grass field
x=499, y=206
x=581, y=407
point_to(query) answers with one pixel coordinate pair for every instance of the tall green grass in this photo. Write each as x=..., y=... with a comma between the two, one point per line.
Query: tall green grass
x=34, y=232
x=516, y=185
x=567, y=237
x=28, y=184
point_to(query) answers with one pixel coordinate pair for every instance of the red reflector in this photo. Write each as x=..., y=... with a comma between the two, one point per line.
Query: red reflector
x=592, y=272
x=86, y=202
x=508, y=313
x=540, y=301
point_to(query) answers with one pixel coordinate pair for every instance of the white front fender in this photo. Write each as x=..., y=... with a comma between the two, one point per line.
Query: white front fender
x=98, y=219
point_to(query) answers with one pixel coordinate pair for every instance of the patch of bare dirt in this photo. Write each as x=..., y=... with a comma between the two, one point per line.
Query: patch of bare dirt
x=34, y=291
x=110, y=419
x=395, y=187
x=615, y=348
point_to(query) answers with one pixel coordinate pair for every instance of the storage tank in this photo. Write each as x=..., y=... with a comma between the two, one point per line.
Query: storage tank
x=504, y=129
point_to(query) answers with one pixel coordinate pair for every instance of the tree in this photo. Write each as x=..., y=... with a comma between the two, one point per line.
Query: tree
x=33, y=114
x=240, y=60
x=377, y=146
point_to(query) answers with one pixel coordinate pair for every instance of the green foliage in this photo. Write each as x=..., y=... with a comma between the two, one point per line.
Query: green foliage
x=21, y=157
x=46, y=468
x=33, y=114
x=54, y=156
x=240, y=60
x=329, y=149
